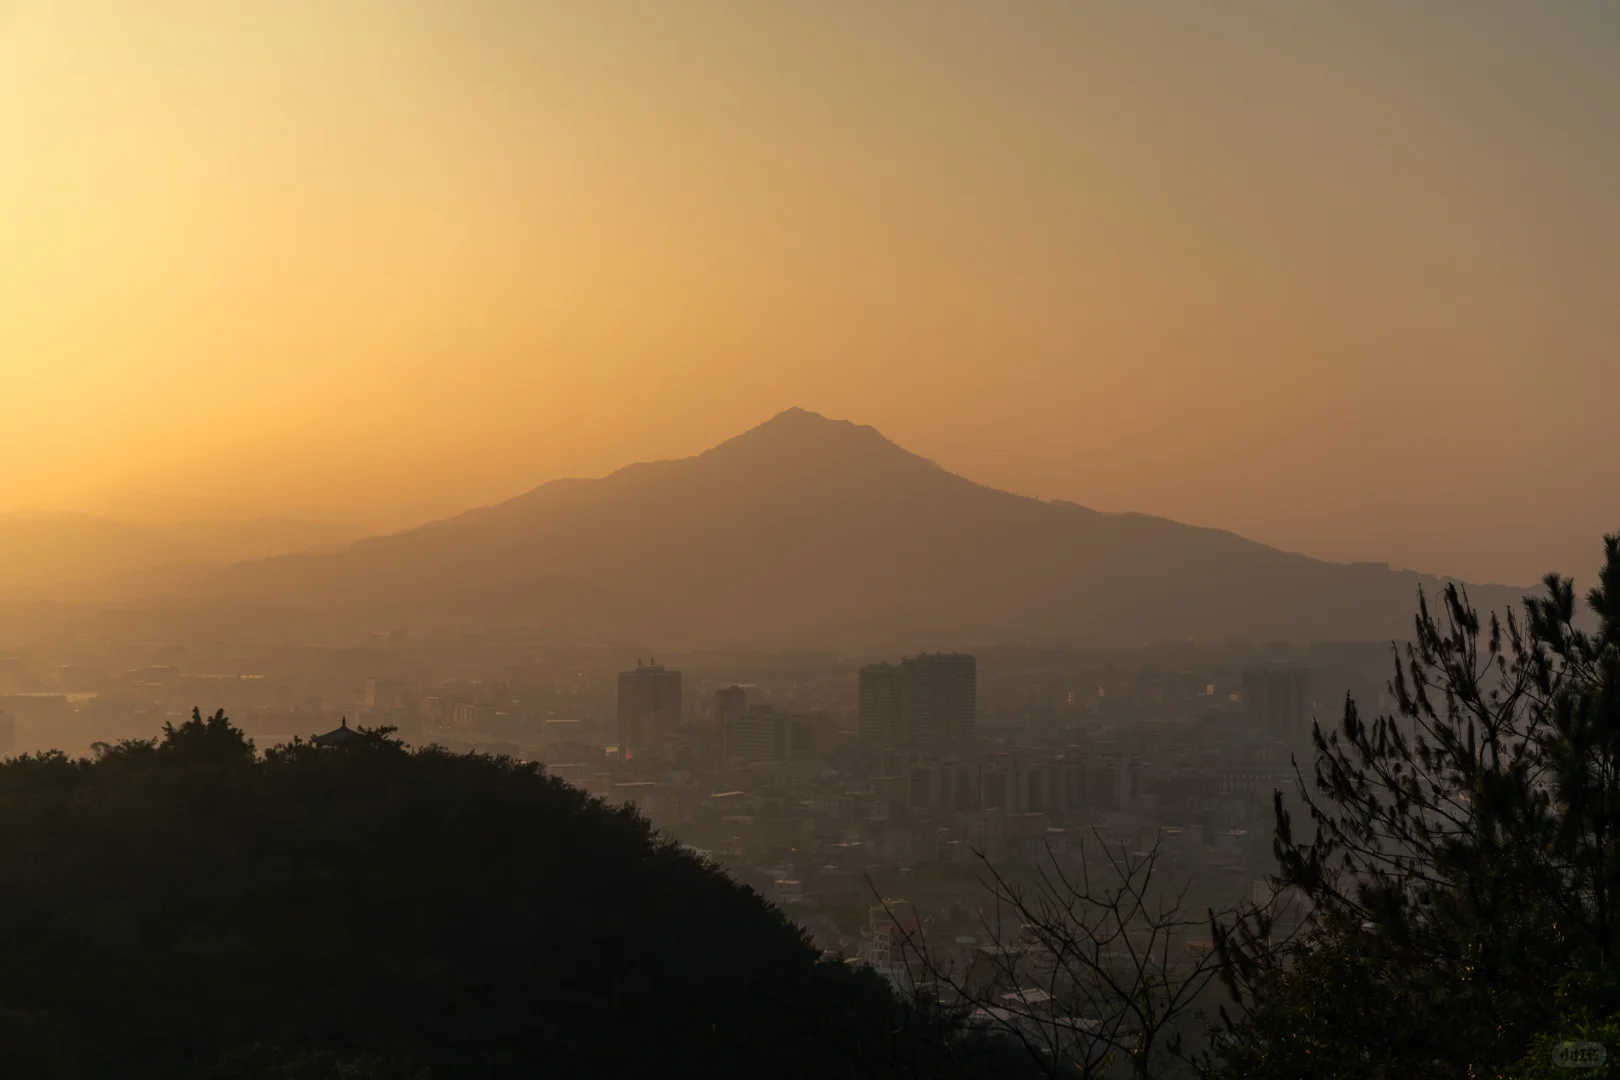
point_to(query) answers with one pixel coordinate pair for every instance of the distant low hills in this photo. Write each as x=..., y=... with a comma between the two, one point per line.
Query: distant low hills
x=810, y=531
x=95, y=558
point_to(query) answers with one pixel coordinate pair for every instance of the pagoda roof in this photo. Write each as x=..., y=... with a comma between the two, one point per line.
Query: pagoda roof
x=342, y=735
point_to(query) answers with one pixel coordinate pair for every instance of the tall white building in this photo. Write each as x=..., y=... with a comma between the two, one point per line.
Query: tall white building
x=649, y=708
x=939, y=702
x=880, y=725
x=1277, y=701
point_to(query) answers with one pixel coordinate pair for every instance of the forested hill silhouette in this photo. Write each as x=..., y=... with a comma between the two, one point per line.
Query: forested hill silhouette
x=187, y=907
x=810, y=530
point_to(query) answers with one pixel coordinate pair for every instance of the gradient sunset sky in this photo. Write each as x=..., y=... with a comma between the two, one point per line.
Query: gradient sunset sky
x=1342, y=278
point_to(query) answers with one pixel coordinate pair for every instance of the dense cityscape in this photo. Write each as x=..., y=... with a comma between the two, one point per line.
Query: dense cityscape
x=828, y=785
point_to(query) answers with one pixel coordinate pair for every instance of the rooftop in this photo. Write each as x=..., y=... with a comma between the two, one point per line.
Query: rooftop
x=342, y=735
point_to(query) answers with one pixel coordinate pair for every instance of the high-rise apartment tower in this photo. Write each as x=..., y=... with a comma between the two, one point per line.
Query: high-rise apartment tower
x=649, y=708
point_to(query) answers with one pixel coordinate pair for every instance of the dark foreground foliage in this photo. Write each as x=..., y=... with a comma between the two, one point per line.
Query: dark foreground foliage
x=190, y=908
x=1461, y=862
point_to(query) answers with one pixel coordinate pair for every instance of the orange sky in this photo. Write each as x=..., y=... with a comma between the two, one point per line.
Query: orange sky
x=1341, y=278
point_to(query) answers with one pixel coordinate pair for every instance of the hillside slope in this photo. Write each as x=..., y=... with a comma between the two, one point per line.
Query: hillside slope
x=805, y=530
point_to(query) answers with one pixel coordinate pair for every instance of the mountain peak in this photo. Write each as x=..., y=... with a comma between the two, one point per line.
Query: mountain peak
x=797, y=421
x=794, y=415
x=801, y=433
x=811, y=530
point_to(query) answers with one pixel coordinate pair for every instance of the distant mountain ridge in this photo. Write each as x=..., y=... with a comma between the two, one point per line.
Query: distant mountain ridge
x=79, y=556
x=806, y=530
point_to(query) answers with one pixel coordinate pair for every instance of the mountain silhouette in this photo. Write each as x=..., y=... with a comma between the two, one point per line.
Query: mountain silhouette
x=806, y=530
x=83, y=556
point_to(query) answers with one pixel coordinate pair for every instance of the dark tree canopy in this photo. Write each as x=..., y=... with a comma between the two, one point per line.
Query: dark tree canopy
x=1462, y=862
x=187, y=907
